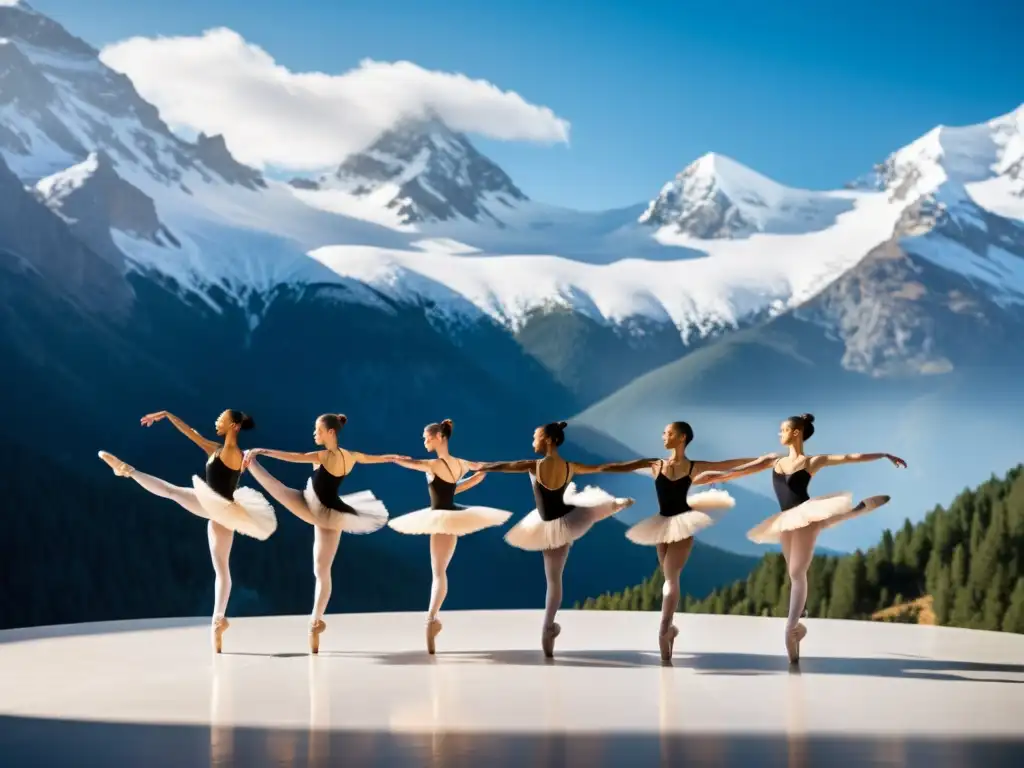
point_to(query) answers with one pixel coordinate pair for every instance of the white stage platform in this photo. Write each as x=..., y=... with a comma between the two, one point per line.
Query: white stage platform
x=152, y=694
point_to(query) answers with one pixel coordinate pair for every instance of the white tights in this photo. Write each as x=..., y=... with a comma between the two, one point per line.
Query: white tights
x=442, y=547
x=798, y=550
x=672, y=558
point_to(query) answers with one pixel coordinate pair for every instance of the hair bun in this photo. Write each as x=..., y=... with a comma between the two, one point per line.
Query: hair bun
x=342, y=418
x=563, y=424
x=247, y=422
x=808, y=417
x=448, y=423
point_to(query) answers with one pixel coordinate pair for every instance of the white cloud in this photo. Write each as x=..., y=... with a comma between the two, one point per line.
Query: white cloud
x=219, y=83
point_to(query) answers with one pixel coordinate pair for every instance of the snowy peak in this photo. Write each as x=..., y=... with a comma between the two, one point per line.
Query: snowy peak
x=426, y=172
x=717, y=197
x=951, y=155
x=59, y=102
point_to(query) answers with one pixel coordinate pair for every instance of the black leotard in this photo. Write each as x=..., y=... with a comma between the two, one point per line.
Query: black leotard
x=220, y=477
x=551, y=503
x=325, y=486
x=442, y=492
x=672, y=493
x=791, y=489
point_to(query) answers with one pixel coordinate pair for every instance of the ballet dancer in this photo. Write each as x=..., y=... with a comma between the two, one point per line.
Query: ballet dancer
x=563, y=514
x=227, y=508
x=444, y=520
x=320, y=506
x=801, y=518
x=672, y=528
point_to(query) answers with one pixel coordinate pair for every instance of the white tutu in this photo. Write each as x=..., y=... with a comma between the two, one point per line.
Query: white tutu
x=591, y=505
x=457, y=522
x=250, y=513
x=661, y=529
x=816, y=510
x=369, y=513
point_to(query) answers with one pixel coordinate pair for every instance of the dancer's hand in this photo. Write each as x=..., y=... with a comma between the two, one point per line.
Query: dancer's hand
x=248, y=456
x=152, y=418
x=896, y=460
x=393, y=457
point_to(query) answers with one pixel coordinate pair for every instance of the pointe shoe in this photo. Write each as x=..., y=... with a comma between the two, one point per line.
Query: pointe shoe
x=433, y=630
x=793, y=638
x=219, y=628
x=120, y=468
x=315, y=630
x=624, y=504
x=547, y=639
x=666, y=642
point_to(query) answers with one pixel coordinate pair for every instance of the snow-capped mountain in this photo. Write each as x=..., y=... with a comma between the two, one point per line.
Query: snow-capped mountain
x=716, y=197
x=421, y=220
x=421, y=171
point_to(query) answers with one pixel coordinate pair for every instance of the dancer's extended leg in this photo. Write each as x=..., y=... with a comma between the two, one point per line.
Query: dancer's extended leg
x=442, y=547
x=220, y=539
x=554, y=566
x=289, y=498
x=186, y=497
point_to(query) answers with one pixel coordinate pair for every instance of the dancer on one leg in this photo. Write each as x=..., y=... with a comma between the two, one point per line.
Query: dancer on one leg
x=219, y=500
x=802, y=518
x=563, y=514
x=671, y=530
x=320, y=506
x=444, y=521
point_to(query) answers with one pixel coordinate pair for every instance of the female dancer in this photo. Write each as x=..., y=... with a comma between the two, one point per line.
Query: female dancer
x=802, y=518
x=562, y=515
x=227, y=507
x=443, y=520
x=320, y=506
x=672, y=528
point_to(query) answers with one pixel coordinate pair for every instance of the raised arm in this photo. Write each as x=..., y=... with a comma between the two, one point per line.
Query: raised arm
x=836, y=459
x=613, y=467
x=370, y=458
x=526, y=465
x=759, y=464
x=152, y=418
x=470, y=482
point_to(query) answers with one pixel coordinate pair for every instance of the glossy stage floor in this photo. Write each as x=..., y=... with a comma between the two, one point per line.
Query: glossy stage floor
x=152, y=694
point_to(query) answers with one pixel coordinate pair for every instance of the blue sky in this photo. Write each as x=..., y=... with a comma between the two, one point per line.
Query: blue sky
x=811, y=93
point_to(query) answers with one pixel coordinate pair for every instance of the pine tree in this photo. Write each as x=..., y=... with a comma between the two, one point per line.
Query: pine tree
x=1013, y=619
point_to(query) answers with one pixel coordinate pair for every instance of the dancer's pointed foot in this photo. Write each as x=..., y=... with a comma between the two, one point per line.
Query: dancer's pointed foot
x=547, y=639
x=666, y=642
x=621, y=504
x=793, y=638
x=220, y=626
x=316, y=627
x=120, y=468
x=433, y=630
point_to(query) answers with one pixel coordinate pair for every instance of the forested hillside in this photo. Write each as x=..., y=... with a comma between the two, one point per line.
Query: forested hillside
x=964, y=563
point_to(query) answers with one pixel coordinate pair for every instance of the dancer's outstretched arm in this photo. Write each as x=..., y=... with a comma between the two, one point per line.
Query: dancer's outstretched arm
x=704, y=468
x=309, y=457
x=526, y=465
x=836, y=459
x=372, y=458
x=759, y=464
x=613, y=467
x=152, y=418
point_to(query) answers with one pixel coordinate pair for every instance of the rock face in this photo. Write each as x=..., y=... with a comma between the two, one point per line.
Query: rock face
x=424, y=171
x=35, y=240
x=93, y=199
